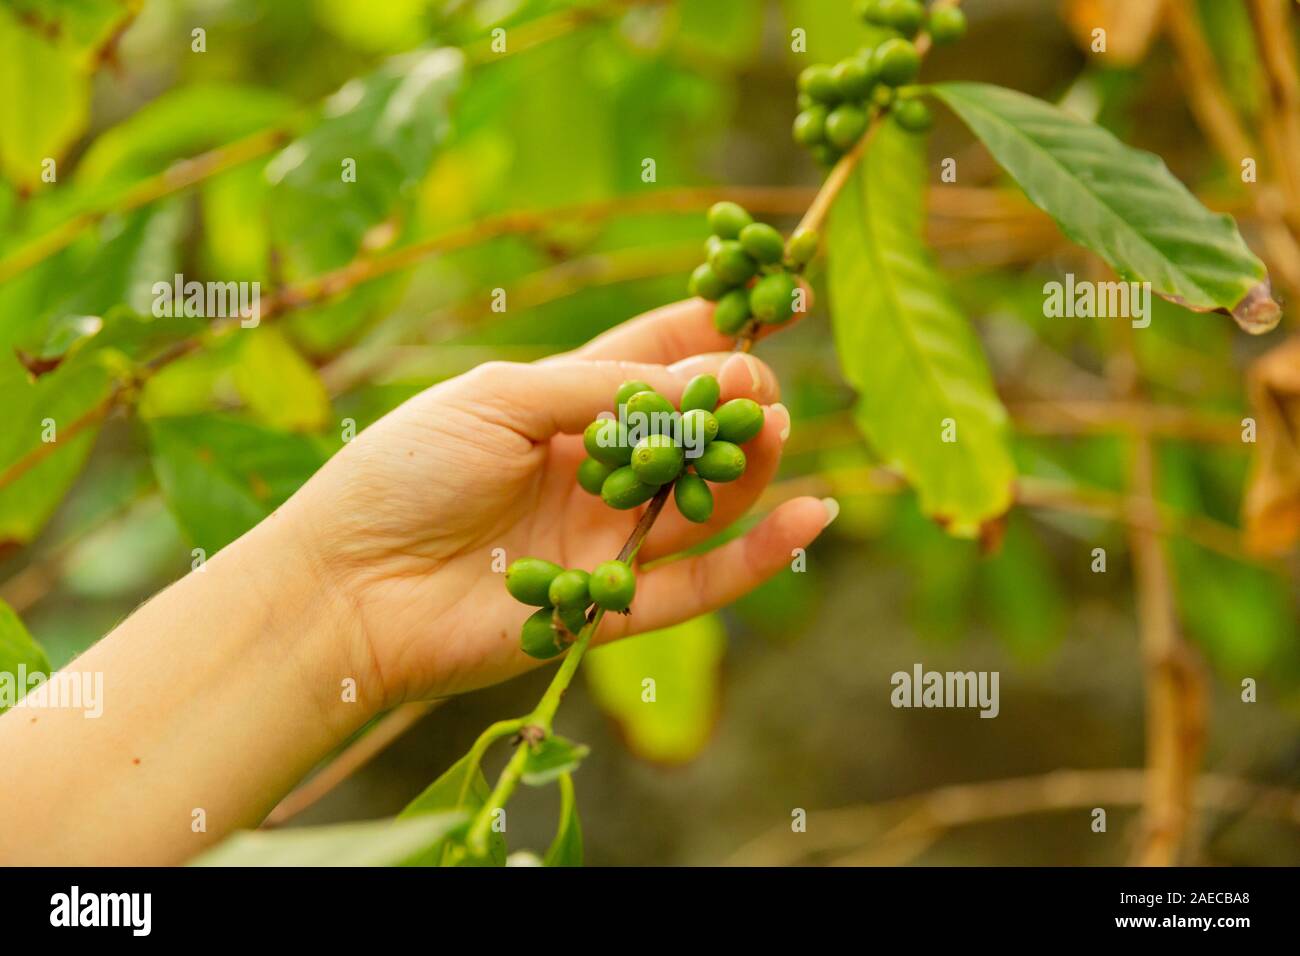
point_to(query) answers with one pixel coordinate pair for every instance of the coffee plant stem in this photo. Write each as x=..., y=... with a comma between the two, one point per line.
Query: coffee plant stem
x=543, y=714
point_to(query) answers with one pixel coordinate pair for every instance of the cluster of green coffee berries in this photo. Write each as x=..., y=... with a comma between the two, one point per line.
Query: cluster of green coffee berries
x=562, y=597
x=750, y=269
x=835, y=100
x=649, y=444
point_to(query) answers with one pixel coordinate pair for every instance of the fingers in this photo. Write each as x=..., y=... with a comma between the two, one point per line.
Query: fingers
x=666, y=335
x=542, y=400
x=687, y=588
x=673, y=533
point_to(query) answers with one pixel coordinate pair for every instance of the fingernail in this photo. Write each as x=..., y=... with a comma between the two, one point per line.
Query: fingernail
x=784, y=413
x=751, y=363
x=832, y=510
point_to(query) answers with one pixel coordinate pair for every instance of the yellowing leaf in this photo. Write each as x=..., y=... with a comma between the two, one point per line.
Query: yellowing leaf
x=662, y=688
x=281, y=388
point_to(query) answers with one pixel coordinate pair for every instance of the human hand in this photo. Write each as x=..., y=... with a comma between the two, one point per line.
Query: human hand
x=406, y=521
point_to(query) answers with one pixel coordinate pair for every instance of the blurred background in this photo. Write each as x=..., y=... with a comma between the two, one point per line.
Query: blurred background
x=222, y=164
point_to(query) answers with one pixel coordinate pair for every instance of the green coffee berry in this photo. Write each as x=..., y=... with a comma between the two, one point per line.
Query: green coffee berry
x=803, y=101
x=870, y=11
x=845, y=125
x=883, y=96
x=762, y=242
x=731, y=263
x=732, y=312
x=772, y=298
x=802, y=246
x=810, y=126
x=852, y=78
x=613, y=585
x=529, y=580
x=605, y=443
x=826, y=154
x=657, y=459
x=739, y=420
x=573, y=618
x=726, y=219
x=648, y=413
x=698, y=428
x=623, y=490
x=701, y=392
x=592, y=474
x=721, y=461
x=947, y=24
x=706, y=284
x=817, y=82
x=569, y=590
x=628, y=389
x=694, y=499
x=913, y=115
x=905, y=16
x=896, y=62
x=539, y=637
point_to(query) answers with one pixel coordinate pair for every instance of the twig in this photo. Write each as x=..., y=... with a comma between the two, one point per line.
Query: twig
x=386, y=730
x=926, y=816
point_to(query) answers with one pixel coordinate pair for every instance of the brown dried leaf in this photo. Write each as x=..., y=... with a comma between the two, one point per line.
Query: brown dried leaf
x=1271, y=509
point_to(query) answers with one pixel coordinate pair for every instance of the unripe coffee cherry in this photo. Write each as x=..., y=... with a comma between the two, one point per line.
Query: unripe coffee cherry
x=761, y=242
x=529, y=580
x=698, y=428
x=613, y=585
x=739, y=420
x=605, y=443
x=870, y=11
x=694, y=499
x=623, y=490
x=732, y=312
x=845, y=125
x=592, y=474
x=817, y=82
x=852, y=77
x=801, y=247
x=905, y=16
x=947, y=24
x=701, y=392
x=913, y=115
x=772, y=298
x=657, y=460
x=706, y=284
x=539, y=637
x=721, y=461
x=896, y=62
x=731, y=263
x=726, y=219
x=648, y=413
x=809, y=127
x=628, y=389
x=569, y=590
x=573, y=618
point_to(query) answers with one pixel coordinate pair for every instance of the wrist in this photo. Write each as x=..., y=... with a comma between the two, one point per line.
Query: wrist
x=315, y=625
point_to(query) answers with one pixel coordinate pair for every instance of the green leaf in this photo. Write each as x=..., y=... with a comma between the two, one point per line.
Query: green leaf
x=566, y=848
x=221, y=475
x=684, y=664
x=17, y=649
x=44, y=470
x=904, y=345
x=389, y=123
x=281, y=388
x=463, y=788
x=1122, y=203
x=46, y=96
x=374, y=843
x=552, y=758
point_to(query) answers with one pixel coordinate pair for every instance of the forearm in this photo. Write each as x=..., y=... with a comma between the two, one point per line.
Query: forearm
x=218, y=695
